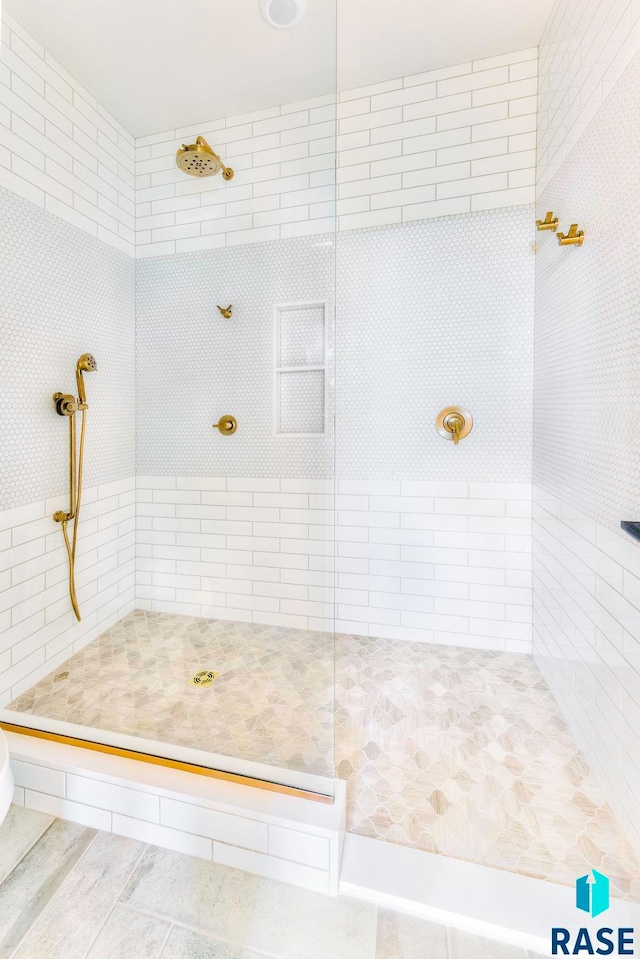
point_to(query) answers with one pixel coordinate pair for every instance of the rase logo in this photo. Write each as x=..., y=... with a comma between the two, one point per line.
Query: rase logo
x=592, y=897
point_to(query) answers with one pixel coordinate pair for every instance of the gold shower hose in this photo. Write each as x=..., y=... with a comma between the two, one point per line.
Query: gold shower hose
x=71, y=546
x=67, y=405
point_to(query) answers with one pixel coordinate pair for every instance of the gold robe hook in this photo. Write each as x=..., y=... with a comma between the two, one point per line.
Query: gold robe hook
x=574, y=237
x=550, y=222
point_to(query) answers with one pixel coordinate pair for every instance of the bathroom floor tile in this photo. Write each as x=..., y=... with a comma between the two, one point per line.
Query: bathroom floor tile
x=36, y=879
x=289, y=922
x=185, y=944
x=18, y=833
x=463, y=945
x=75, y=913
x=126, y=934
x=157, y=887
x=407, y=937
x=250, y=912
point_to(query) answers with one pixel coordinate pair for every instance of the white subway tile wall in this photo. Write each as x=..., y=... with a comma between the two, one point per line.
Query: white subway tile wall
x=586, y=615
x=583, y=51
x=284, y=838
x=59, y=148
x=38, y=630
x=451, y=141
x=586, y=601
x=430, y=562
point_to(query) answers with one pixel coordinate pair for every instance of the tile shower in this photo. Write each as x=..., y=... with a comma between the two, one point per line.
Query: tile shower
x=435, y=624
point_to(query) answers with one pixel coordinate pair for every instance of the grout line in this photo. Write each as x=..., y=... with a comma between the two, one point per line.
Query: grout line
x=34, y=843
x=164, y=941
x=117, y=900
x=43, y=899
x=198, y=930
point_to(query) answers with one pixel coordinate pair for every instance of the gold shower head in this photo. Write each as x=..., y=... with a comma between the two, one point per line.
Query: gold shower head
x=198, y=159
x=86, y=364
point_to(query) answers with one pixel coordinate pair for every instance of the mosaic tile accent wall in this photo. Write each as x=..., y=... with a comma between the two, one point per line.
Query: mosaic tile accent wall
x=587, y=447
x=62, y=293
x=587, y=391
x=194, y=365
x=429, y=314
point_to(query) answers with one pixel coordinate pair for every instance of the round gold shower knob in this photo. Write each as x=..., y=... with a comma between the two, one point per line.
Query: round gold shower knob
x=226, y=424
x=454, y=423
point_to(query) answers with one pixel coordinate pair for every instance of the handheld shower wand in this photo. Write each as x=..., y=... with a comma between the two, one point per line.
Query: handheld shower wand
x=67, y=405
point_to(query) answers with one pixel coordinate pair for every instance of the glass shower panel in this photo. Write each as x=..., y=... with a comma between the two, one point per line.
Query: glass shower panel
x=225, y=661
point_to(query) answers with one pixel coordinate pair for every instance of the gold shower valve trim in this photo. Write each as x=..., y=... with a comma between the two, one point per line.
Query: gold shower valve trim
x=550, y=222
x=227, y=425
x=454, y=423
x=574, y=237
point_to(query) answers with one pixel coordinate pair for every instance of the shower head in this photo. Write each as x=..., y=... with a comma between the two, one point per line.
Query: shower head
x=86, y=364
x=198, y=159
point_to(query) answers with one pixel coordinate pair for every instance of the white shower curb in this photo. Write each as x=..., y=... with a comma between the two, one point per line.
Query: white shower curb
x=267, y=833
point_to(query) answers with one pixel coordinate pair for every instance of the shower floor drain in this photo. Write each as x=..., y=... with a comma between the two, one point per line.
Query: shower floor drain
x=204, y=678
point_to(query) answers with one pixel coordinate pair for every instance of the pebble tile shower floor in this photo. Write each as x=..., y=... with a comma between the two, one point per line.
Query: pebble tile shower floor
x=455, y=751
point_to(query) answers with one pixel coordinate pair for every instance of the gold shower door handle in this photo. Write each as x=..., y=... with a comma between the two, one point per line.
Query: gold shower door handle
x=226, y=424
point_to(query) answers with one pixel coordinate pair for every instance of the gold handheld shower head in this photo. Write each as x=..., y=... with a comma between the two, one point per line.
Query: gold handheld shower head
x=66, y=405
x=198, y=159
x=86, y=364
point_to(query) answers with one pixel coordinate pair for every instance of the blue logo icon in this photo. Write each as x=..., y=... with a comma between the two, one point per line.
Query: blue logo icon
x=592, y=893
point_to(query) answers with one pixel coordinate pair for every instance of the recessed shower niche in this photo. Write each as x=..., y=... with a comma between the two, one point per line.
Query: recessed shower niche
x=300, y=348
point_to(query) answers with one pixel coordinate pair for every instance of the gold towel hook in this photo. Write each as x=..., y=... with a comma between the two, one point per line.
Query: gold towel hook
x=574, y=237
x=550, y=222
